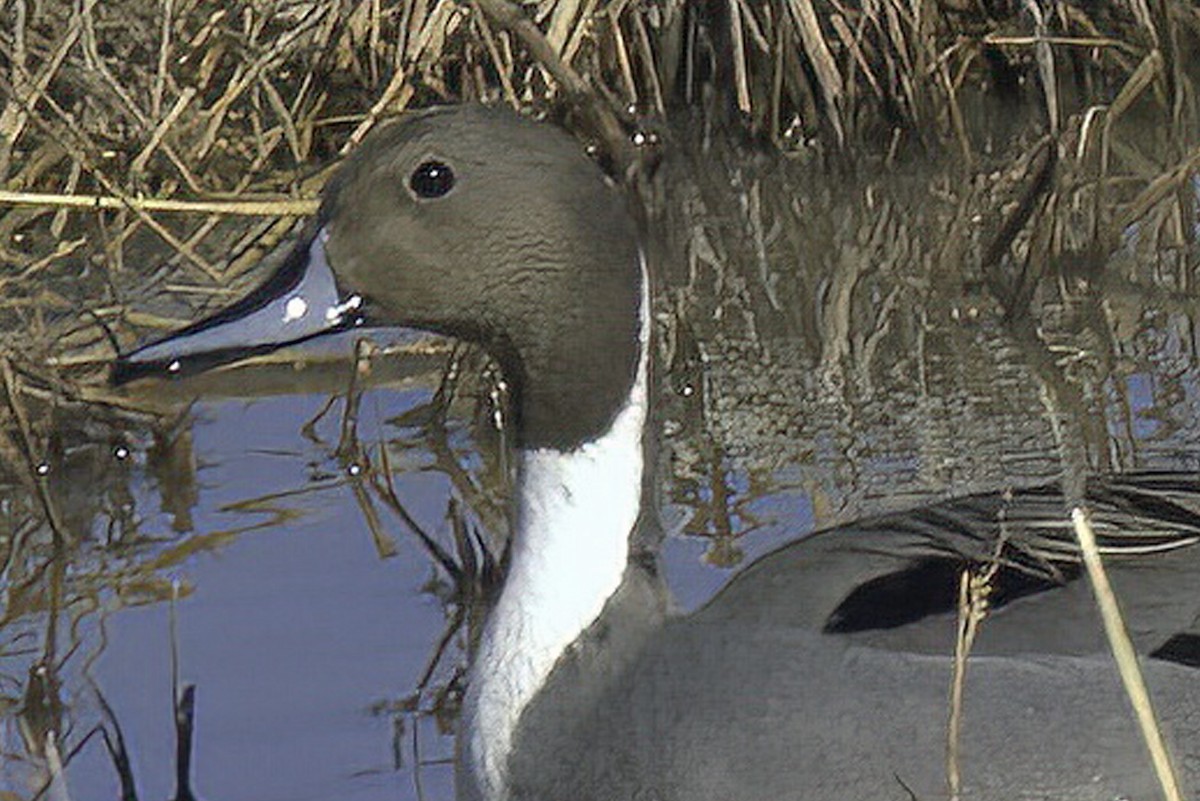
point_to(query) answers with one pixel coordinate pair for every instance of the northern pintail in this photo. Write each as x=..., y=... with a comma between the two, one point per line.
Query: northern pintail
x=822, y=671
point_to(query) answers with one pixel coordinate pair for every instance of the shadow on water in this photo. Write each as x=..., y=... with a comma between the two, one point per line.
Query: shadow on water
x=829, y=349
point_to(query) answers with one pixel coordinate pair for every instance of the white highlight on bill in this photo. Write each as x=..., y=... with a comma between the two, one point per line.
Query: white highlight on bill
x=295, y=308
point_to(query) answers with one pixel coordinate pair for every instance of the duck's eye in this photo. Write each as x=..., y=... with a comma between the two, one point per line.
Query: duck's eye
x=431, y=179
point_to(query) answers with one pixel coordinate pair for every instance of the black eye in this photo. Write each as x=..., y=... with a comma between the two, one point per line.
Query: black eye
x=432, y=179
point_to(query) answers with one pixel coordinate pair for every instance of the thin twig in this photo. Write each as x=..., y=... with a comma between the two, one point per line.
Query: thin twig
x=247, y=208
x=1125, y=656
x=511, y=18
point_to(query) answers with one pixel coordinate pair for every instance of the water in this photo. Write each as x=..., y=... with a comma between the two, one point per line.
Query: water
x=826, y=354
x=295, y=631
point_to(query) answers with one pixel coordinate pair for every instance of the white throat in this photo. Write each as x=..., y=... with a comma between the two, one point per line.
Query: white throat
x=575, y=512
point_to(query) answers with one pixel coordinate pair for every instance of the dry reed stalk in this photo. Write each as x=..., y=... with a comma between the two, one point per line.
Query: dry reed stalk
x=829, y=77
x=395, y=97
x=1125, y=656
x=503, y=66
x=578, y=92
x=1050, y=39
x=563, y=17
x=241, y=208
x=852, y=41
x=741, y=73
x=622, y=51
x=586, y=22
x=957, y=121
x=1171, y=181
x=649, y=64
x=964, y=639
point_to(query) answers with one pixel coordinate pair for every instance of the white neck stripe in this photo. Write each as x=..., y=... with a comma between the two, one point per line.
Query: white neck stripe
x=575, y=513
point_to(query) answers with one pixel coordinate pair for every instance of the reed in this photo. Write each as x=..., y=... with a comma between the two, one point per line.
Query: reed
x=130, y=131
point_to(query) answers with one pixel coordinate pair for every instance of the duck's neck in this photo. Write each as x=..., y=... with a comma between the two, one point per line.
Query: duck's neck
x=575, y=512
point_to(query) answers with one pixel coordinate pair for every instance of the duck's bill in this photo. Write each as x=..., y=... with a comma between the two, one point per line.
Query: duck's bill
x=298, y=302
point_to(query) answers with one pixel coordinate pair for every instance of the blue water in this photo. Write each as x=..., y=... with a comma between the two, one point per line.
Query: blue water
x=291, y=634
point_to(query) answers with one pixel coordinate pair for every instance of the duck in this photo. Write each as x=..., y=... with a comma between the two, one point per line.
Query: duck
x=822, y=670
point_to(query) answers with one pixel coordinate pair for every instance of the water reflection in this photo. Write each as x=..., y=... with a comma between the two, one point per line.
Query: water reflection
x=247, y=507
x=829, y=352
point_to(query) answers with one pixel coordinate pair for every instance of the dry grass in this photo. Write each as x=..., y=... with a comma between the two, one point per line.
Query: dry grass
x=131, y=130
x=1126, y=657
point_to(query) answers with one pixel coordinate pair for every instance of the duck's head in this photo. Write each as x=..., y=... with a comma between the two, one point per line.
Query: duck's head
x=465, y=221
